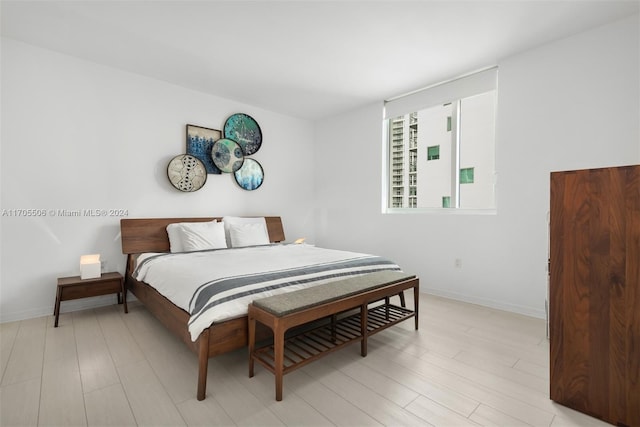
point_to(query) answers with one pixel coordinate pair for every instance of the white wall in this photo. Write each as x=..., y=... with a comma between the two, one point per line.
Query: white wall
x=77, y=135
x=574, y=103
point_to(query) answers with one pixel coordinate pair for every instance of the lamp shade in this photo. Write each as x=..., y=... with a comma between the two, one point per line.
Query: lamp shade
x=90, y=266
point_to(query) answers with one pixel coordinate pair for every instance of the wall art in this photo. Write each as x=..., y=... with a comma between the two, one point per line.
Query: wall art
x=243, y=129
x=251, y=175
x=187, y=173
x=227, y=155
x=199, y=143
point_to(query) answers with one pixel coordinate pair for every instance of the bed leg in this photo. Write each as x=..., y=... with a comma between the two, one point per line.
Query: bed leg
x=203, y=364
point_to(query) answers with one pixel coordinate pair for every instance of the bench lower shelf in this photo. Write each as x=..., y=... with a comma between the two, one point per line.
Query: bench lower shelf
x=304, y=347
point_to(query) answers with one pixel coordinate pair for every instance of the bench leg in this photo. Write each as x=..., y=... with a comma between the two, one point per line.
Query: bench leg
x=278, y=349
x=403, y=303
x=252, y=343
x=334, y=319
x=363, y=329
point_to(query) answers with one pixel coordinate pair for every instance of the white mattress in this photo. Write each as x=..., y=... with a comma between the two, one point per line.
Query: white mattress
x=218, y=285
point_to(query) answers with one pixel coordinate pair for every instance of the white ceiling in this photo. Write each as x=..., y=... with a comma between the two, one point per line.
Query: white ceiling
x=309, y=59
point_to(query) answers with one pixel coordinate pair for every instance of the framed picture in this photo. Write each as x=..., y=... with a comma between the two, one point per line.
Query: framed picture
x=250, y=176
x=227, y=155
x=186, y=173
x=199, y=143
x=244, y=129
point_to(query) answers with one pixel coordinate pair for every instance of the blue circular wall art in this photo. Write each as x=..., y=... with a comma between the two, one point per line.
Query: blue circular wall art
x=227, y=155
x=250, y=176
x=243, y=129
x=187, y=173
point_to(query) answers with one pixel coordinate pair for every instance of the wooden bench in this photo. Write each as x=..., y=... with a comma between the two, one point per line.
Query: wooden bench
x=334, y=303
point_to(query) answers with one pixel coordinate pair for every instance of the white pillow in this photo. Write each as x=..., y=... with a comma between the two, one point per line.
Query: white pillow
x=249, y=234
x=175, y=235
x=198, y=236
x=175, y=238
x=237, y=220
x=204, y=235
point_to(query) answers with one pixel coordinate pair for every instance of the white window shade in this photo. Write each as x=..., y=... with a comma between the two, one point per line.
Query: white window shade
x=462, y=87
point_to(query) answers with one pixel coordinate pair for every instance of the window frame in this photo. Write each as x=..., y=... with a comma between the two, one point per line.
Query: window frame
x=440, y=89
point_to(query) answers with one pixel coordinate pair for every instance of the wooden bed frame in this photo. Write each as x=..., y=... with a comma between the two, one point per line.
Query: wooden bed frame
x=150, y=235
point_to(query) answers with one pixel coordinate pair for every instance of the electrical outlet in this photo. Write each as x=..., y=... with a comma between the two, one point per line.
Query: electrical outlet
x=457, y=263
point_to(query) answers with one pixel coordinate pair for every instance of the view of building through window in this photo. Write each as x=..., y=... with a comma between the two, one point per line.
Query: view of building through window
x=443, y=156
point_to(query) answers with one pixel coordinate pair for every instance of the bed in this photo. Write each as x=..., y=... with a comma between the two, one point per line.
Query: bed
x=147, y=245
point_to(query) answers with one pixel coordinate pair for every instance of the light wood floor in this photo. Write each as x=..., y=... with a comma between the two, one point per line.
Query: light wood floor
x=467, y=365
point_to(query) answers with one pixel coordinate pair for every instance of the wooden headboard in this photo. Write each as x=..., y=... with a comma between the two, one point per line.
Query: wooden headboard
x=150, y=234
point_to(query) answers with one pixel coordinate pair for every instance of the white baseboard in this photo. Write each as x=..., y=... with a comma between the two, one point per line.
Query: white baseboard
x=499, y=305
x=101, y=301
x=65, y=307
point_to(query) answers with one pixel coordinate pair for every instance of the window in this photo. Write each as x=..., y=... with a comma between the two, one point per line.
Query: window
x=433, y=153
x=466, y=176
x=440, y=145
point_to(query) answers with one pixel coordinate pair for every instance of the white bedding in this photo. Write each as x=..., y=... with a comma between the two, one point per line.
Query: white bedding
x=218, y=285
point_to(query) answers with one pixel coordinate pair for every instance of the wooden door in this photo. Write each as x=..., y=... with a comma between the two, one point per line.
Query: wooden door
x=594, y=295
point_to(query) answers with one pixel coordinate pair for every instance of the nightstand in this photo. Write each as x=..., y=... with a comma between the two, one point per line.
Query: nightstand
x=75, y=287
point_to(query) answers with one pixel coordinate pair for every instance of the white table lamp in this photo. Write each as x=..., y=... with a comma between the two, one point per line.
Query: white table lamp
x=90, y=266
